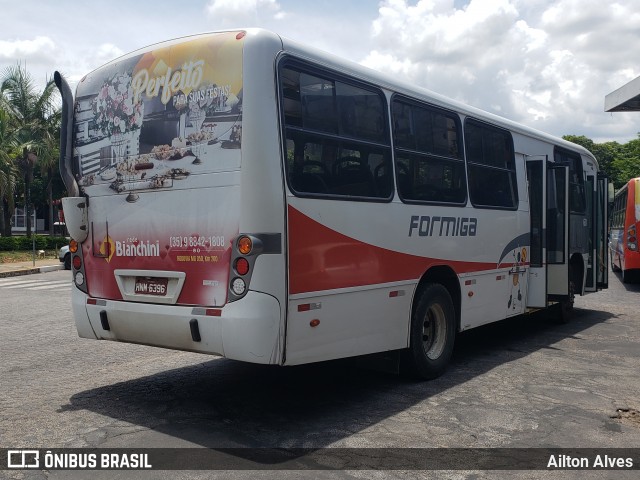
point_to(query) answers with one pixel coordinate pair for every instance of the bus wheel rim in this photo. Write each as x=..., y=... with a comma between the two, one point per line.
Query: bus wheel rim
x=434, y=329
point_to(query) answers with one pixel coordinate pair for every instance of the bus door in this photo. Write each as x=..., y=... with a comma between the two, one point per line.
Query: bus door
x=597, y=215
x=549, y=233
x=601, y=231
x=557, y=230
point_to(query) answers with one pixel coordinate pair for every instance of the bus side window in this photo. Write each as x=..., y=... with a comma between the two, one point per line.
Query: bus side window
x=576, y=178
x=429, y=167
x=318, y=104
x=491, y=163
x=305, y=174
x=340, y=135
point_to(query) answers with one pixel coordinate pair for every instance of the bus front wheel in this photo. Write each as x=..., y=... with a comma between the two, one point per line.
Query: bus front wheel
x=432, y=335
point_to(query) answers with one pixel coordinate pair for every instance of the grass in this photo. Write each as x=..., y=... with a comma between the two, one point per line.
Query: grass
x=24, y=256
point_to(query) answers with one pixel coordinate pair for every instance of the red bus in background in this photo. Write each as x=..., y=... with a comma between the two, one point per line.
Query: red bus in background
x=625, y=222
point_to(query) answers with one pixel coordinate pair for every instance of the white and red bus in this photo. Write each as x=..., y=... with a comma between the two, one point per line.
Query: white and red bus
x=625, y=223
x=240, y=194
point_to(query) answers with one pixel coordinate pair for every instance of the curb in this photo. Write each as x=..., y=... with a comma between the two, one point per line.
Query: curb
x=29, y=271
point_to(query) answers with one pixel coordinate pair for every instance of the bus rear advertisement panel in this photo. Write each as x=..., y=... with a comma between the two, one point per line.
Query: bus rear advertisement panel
x=158, y=139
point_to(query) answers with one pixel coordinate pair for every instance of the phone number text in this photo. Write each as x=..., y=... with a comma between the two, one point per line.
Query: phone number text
x=197, y=241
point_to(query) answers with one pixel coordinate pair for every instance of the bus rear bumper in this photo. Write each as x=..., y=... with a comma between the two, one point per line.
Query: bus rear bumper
x=247, y=330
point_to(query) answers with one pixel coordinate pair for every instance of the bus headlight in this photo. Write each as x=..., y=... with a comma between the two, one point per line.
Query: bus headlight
x=238, y=286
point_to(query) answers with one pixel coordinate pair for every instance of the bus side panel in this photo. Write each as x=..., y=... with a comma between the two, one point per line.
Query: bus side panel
x=636, y=196
x=351, y=322
x=347, y=286
x=493, y=295
x=617, y=222
x=361, y=292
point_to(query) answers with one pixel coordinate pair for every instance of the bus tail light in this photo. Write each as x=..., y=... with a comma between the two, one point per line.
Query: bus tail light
x=245, y=245
x=242, y=266
x=632, y=239
x=238, y=286
x=77, y=263
x=245, y=250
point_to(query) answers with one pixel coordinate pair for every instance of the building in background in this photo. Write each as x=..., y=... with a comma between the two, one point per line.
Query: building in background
x=625, y=98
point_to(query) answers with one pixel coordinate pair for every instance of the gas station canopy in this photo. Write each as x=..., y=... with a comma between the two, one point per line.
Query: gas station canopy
x=624, y=99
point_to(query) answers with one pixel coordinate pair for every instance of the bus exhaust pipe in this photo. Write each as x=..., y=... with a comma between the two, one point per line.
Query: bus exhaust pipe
x=66, y=135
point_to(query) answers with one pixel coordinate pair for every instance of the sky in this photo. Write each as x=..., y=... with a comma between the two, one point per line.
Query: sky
x=545, y=63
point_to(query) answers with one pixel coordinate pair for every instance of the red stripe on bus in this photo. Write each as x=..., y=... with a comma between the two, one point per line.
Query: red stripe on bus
x=323, y=259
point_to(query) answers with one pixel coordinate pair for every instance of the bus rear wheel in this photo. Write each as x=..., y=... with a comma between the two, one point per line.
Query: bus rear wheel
x=630, y=276
x=432, y=335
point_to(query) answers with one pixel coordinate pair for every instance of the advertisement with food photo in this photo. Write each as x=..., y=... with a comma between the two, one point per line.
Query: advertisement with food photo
x=151, y=129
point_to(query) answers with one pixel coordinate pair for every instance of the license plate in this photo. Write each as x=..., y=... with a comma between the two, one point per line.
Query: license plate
x=151, y=286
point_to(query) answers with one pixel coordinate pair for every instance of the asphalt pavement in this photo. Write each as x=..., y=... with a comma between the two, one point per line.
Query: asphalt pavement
x=523, y=383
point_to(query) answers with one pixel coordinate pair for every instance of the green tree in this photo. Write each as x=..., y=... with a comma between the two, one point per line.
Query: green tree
x=31, y=117
x=627, y=163
x=620, y=162
x=48, y=161
x=8, y=173
x=605, y=153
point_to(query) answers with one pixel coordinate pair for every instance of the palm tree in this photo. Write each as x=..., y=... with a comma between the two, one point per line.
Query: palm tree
x=48, y=160
x=31, y=113
x=8, y=173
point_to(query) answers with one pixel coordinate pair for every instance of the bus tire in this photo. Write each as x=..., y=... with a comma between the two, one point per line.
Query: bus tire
x=432, y=334
x=629, y=276
x=564, y=309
